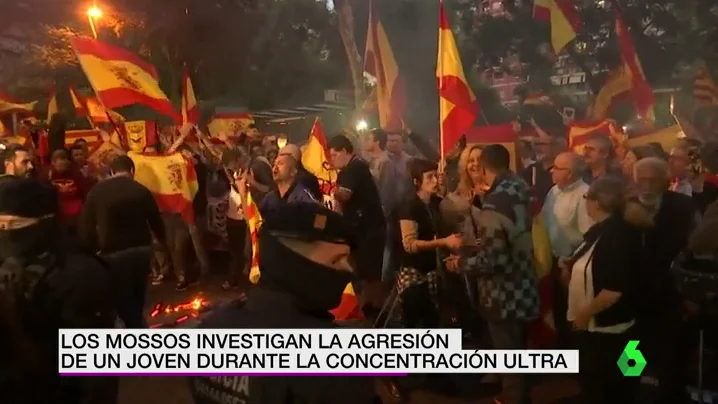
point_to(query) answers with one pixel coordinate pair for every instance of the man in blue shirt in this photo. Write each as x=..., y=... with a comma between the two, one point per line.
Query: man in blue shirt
x=288, y=189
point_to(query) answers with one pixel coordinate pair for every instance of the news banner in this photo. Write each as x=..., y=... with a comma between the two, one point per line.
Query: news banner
x=255, y=352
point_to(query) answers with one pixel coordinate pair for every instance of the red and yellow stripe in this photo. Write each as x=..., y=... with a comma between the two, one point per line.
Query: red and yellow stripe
x=458, y=106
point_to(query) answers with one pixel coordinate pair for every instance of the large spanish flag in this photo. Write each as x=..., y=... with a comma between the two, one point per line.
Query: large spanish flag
x=616, y=88
x=504, y=134
x=120, y=78
x=641, y=92
x=458, y=106
x=190, y=109
x=580, y=132
x=91, y=136
x=564, y=19
x=380, y=63
x=315, y=159
x=171, y=178
x=705, y=91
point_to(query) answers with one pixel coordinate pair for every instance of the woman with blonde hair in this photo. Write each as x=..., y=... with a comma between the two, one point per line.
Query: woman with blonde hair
x=471, y=184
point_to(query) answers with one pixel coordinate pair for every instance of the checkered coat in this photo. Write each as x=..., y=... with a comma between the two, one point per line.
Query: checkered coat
x=503, y=261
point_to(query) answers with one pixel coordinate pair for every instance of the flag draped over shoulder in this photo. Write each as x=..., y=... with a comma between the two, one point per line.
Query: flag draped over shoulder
x=504, y=134
x=641, y=92
x=190, y=109
x=705, y=91
x=171, y=179
x=564, y=19
x=315, y=158
x=120, y=78
x=380, y=63
x=458, y=106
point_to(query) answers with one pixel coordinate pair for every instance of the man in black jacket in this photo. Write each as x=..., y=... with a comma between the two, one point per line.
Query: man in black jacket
x=43, y=288
x=672, y=218
x=303, y=254
x=118, y=220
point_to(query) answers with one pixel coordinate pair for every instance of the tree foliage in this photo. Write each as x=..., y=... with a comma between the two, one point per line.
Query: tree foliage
x=260, y=52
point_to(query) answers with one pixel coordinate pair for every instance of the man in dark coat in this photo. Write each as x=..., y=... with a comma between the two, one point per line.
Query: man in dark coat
x=303, y=258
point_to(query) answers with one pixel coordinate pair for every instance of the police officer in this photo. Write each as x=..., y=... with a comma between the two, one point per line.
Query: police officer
x=42, y=289
x=303, y=259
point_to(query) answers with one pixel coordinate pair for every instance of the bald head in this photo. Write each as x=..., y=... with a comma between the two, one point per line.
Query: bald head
x=292, y=150
x=567, y=169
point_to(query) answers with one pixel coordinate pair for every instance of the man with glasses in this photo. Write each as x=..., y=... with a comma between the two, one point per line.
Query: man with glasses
x=566, y=220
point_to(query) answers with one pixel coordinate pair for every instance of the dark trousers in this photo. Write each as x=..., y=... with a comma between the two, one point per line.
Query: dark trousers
x=418, y=308
x=175, y=254
x=368, y=256
x=559, y=308
x=511, y=334
x=601, y=380
x=236, y=238
x=130, y=269
x=663, y=345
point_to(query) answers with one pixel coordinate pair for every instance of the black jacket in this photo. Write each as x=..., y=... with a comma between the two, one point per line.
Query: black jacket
x=613, y=262
x=274, y=309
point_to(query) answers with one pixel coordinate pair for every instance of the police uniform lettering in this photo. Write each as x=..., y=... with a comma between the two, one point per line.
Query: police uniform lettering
x=221, y=389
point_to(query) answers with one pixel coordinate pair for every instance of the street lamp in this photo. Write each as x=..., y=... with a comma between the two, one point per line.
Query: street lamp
x=92, y=14
x=282, y=141
x=362, y=126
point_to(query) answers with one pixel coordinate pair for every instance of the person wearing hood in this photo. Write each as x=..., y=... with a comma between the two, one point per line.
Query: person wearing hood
x=304, y=262
x=43, y=288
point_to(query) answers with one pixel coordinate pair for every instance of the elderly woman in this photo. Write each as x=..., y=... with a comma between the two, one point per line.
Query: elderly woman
x=602, y=284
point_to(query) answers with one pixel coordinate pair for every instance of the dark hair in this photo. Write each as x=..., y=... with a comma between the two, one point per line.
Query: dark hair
x=380, y=137
x=341, y=143
x=641, y=152
x=495, y=157
x=122, y=164
x=417, y=167
x=9, y=153
x=76, y=146
x=658, y=150
x=79, y=142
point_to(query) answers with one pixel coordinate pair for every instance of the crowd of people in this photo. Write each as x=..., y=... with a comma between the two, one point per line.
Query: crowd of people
x=433, y=233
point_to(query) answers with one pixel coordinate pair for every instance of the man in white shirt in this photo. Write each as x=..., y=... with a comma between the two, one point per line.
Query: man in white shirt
x=566, y=220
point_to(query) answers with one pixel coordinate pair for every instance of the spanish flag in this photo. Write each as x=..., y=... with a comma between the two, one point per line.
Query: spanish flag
x=705, y=91
x=91, y=108
x=580, y=132
x=504, y=134
x=91, y=136
x=171, y=179
x=52, y=108
x=254, y=221
x=190, y=109
x=379, y=62
x=120, y=78
x=666, y=137
x=140, y=134
x=641, y=92
x=564, y=19
x=315, y=159
x=616, y=88
x=458, y=106
x=349, y=308
x=231, y=124
x=9, y=107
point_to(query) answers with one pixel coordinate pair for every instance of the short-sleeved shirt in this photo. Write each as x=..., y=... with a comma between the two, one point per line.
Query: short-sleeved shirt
x=426, y=217
x=364, y=206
